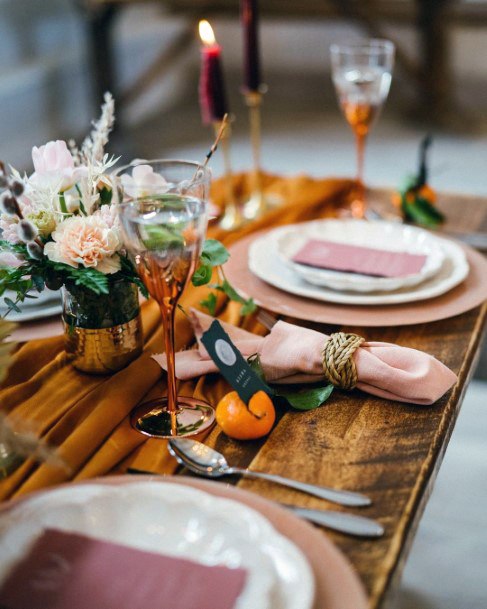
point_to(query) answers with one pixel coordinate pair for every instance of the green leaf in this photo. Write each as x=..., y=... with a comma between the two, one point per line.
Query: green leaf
x=214, y=253
x=248, y=307
x=91, y=279
x=202, y=275
x=105, y=196
x=307, y=398
x=254, y=362
x=11, y=305
x=38, y=282
x=159, y=237
x=423, y=213
x=210, y=303
x=231, y=292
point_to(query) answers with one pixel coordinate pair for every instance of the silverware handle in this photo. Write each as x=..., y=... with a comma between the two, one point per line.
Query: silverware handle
x=338, y=521
x=330, y=494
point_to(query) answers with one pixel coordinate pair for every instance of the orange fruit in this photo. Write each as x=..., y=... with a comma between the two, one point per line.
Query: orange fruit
x=426, y=192
x=244, y=422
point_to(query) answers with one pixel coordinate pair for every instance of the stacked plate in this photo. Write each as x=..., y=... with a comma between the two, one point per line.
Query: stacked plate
x=274, y=259
x=203, y=526
x=45, y=304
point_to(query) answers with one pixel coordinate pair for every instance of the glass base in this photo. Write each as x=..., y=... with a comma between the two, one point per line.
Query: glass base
x=260, y=203
x=231, y=218
x=153, y=418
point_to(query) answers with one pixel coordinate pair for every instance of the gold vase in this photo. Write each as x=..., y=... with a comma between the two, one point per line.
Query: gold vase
x=103, y=333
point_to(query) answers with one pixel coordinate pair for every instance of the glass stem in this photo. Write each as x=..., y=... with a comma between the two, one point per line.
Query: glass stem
x=359, y=204
x=167, y=312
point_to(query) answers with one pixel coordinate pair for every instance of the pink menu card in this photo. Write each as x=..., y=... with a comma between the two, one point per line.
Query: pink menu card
x=71, y=571
x=358, y=259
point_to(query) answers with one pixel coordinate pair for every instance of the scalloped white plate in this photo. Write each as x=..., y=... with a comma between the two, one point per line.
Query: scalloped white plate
x=174, y=520
x=388, y=236
x=264, y=262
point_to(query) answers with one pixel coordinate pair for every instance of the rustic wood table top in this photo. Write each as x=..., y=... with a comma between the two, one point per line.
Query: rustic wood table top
x=385, y=449
x=388, y=451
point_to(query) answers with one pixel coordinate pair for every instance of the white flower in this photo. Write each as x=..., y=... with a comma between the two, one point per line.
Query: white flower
x=143, y=182
x=109, y=215
x=54, y=164
x=88, y=241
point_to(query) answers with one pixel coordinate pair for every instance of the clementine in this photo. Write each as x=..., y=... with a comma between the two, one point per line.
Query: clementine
x=245, y=422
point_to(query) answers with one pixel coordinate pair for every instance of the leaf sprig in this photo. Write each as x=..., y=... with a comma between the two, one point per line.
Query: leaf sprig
x=302, y=398
x=214, y=255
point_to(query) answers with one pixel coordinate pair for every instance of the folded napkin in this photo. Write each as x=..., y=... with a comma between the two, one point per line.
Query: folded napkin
x=291, y=354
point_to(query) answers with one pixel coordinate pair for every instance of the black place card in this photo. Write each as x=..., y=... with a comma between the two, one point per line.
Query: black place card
x=231, y=363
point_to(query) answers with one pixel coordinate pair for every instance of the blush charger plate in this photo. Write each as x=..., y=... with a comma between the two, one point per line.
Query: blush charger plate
x=470, y=293
x=336, y=584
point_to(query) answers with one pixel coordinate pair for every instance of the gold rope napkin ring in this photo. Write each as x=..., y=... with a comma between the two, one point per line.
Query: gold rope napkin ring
x=338, y=363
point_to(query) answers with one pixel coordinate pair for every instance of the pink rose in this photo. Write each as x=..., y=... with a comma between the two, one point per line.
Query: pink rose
x=54, y=164
x=85, y=240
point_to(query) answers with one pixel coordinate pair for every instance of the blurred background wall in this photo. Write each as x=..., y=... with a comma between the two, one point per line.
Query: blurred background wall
x=46, y=87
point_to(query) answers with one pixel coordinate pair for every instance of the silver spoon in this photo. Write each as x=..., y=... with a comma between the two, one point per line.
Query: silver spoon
x=206, y=461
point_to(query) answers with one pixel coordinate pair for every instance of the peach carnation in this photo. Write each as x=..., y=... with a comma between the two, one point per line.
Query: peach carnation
x=88, y=241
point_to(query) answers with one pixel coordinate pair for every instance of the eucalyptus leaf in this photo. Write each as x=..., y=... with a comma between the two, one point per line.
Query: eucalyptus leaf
x=11, y=305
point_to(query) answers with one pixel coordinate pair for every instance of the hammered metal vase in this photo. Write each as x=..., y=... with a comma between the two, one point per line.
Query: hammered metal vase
x=103, y=333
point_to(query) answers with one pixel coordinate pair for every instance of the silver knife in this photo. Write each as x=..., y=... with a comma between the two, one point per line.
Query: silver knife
x=360, y=526
x=477, y=240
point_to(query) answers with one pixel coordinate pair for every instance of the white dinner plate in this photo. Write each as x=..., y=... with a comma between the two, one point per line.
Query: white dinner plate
x=45, y=304
x=173, y=520
x=265, y=262
x=388, y=236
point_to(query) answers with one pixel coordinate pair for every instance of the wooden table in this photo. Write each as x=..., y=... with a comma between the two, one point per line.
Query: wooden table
x=387, y=450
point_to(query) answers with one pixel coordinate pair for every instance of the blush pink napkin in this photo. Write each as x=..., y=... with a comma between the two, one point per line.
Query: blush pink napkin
x=291, y=354
x=66, y=570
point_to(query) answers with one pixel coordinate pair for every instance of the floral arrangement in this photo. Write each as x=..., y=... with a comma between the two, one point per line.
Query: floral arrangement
x=58, y=226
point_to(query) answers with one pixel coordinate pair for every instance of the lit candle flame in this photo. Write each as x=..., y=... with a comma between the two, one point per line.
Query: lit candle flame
x=206, y=33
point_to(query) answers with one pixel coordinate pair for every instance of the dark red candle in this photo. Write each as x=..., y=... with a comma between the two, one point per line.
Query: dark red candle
x=249, y=14
x=213, y=100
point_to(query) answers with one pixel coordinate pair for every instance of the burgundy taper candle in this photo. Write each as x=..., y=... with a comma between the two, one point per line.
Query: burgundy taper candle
x=249, y=11
x=213, y=99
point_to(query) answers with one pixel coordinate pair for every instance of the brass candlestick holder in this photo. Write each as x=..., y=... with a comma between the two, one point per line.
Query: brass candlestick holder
x=232, y=215
x=258, y=203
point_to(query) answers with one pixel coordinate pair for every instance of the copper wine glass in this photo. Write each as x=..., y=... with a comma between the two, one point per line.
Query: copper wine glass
x=362, y=75
x=163, y=217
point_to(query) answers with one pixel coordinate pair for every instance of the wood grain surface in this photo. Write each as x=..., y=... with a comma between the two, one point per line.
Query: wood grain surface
x=388, y=450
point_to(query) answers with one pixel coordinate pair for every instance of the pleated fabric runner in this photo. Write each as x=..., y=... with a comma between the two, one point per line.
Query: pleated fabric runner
x=87, y=416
